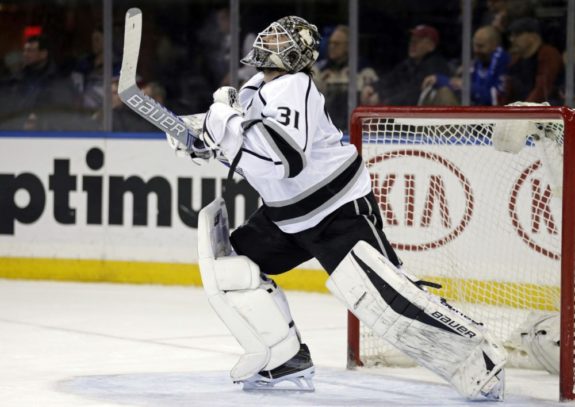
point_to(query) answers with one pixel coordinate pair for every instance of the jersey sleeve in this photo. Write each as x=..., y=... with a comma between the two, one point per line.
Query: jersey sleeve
x=275, y=144
x=247, y=91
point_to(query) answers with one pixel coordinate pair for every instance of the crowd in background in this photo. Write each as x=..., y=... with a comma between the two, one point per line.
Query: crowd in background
x=406, y=59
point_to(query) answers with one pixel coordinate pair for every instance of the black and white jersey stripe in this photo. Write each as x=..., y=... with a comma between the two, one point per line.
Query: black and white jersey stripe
x=294, y=156
x=291, y=155
x=317, y=198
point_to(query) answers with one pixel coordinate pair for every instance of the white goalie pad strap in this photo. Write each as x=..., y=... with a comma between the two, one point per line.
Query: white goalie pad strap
x=255, y=311
x=419, y=324
x=236, y=273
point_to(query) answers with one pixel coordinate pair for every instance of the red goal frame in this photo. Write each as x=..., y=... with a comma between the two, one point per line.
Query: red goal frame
x=567, y=348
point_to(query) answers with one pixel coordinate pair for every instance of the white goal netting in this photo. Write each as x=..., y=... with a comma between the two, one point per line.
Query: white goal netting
x=483, y=223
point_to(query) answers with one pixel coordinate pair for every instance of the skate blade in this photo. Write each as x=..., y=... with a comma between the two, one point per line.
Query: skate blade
x=300, y=381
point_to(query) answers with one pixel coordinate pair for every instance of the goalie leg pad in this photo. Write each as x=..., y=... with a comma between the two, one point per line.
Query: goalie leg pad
x=419, y=324
x=255, y=310
x=266, y=310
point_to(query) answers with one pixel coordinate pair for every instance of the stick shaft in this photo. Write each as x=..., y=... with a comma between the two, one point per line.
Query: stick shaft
x=132, y=95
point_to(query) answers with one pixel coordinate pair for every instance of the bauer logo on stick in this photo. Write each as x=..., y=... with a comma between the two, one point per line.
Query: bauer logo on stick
x=133, y=96
x=156, y=114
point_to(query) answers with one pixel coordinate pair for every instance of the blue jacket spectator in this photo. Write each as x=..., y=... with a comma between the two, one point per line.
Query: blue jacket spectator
x=488, y=75
x=488, y=81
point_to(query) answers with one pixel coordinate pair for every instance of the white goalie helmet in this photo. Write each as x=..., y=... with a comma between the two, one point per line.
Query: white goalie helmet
x=290, y=43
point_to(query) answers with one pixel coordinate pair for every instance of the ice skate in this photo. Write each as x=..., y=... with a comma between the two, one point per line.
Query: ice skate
x=295, y=374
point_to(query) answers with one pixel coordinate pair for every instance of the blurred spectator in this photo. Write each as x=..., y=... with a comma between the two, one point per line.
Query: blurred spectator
x=12, y=64
x=331, y=76
x=488, y=73
x=125, y=120
x=245, y=72
x=156, y=92
x=171, y=66
x=535, y=66
x=88, y=75
x=38, y=97
x=402, y=86
x=214, y=39
x=501, y=13
x=496, y=15
x=562, y=86
x=212, y=48
x=518, y=9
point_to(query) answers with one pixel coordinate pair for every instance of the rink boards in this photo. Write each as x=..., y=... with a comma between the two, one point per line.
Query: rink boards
x=123, y=208
x=117, y=207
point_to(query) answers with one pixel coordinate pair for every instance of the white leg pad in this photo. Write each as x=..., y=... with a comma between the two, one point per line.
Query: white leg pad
x=255, y=311
x=419, y=324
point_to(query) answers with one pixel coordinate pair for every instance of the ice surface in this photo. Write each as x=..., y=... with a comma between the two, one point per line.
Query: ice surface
x=77, y=345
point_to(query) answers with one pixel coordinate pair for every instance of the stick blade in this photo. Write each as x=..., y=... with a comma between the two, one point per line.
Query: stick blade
x=132, y=40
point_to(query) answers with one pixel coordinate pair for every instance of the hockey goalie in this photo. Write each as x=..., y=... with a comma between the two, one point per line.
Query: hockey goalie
x=317, y=203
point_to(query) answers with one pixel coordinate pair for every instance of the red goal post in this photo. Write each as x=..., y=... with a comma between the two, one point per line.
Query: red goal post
x=392, y=139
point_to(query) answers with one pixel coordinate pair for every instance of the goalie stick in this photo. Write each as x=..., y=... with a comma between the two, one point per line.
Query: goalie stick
x=148, y=108
x=135, y=99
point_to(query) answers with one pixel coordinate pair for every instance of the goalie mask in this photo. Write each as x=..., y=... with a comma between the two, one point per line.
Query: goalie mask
x=291, y=44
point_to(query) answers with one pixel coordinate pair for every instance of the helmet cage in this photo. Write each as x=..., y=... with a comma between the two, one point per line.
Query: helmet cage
x=290, y=44
x=275, y=39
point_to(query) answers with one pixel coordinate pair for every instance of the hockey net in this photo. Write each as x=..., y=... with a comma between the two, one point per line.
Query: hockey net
x=486, y=224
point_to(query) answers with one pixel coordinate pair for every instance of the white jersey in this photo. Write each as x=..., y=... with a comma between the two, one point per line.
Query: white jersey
x=292, y=153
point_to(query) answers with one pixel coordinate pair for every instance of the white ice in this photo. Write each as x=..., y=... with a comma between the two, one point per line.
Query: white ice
x=77, y=345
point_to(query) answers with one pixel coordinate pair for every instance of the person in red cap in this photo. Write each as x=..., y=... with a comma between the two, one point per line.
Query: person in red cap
x=402, y=86
x=424, y=39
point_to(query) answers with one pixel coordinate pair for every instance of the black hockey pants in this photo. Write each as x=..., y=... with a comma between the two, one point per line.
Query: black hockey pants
x=276, y=252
